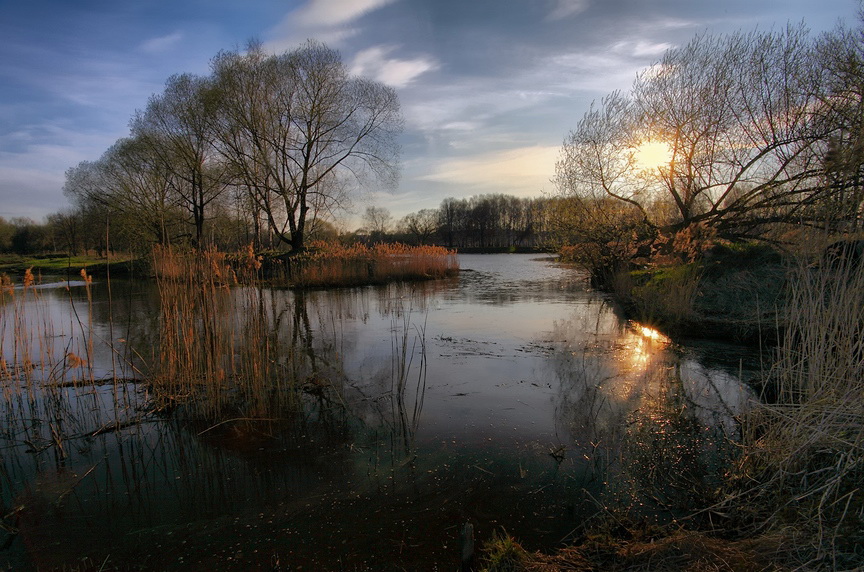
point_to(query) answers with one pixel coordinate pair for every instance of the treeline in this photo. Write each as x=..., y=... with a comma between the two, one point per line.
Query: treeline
x=491, y=221
x=25, y=236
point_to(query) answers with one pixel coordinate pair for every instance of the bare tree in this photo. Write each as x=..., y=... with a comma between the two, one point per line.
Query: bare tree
x=135, y=188
x=736, y=115
x=176, y=126
x=422, y=225
x=841, y=58
x=377, y=221
x=297, y=131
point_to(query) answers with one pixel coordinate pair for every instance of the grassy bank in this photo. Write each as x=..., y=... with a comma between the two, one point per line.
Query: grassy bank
x=610, y=548
x=321, y=265
x=61, y=264
x=733, y=293
x=802, y=464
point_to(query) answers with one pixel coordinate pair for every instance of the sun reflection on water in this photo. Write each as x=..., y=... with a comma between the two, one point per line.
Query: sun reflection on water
x=644, y=342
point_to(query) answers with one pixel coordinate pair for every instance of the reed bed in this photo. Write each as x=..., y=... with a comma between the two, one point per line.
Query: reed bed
x=219, y=353
x=55, y=402
x=330, y=264
x=803, y=464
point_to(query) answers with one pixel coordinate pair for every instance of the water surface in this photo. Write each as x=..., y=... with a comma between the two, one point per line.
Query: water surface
x=511, y=396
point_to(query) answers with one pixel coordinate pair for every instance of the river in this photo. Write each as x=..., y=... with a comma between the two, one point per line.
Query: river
x=510, y=397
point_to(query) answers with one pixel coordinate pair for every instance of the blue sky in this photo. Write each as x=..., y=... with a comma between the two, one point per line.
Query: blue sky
x=489, y=88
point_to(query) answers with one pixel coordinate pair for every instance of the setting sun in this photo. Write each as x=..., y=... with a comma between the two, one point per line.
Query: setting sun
x=653, y=154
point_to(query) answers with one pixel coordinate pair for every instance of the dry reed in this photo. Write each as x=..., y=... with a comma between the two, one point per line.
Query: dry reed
x=803, y=463
x=216, y=355
x=331, y=264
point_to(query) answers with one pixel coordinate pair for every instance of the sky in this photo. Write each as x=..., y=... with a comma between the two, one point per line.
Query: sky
x=489, y=89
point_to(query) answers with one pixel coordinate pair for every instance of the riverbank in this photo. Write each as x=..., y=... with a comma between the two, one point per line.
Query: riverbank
x=322, y=265
x=62, y=264
x=733, y=293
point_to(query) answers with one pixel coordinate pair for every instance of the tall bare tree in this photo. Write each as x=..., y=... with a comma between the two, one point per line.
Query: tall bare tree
x=176, y=126
x=133, y=187
x=841, y=58
x=297, y=130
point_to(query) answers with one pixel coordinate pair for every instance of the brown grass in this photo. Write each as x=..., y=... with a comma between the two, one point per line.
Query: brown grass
x=803, y=464
x=331, y=264
x=657, y=550
x=217, y=351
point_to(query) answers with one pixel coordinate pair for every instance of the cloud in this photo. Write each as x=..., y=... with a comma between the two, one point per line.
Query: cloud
x=31, y=192
x=161, y=44
x=327, y=21
x=373, y=62
x=521, y=171
x=324, y=13
x=566, y=8
x=32, y=173
x=641, y=48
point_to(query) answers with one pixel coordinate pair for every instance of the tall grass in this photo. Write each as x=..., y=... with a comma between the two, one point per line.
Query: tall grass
x=331, y=264
x=803, y=463
x=217, y=356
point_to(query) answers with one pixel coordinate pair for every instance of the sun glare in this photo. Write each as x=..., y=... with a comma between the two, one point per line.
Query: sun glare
x=652, y=155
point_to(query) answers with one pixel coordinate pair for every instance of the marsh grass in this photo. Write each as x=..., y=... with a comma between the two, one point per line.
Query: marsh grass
x=663, y=297
x=219, y=355
x=53, y=404
x=802, y=466
x=331, y=264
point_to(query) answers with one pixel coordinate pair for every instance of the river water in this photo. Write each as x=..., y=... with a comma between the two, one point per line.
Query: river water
x=511, y=396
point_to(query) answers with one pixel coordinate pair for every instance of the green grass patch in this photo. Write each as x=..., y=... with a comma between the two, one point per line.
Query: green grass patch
x=16, y=264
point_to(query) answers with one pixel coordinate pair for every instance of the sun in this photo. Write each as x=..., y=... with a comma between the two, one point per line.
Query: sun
x=652, y=155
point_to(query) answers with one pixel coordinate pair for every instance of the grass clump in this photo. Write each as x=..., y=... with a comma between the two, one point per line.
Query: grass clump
x=332, y=264
x=502, y=553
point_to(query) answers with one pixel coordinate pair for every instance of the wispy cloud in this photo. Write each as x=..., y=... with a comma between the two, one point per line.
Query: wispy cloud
x=641, y=48
x=566, y=8
x=321, y=13
x=375, y=63
x=161, y=44
x=328, y=21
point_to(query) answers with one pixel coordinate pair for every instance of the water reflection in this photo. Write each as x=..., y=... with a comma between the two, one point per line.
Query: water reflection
x=385, y=418
x=649, y=428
